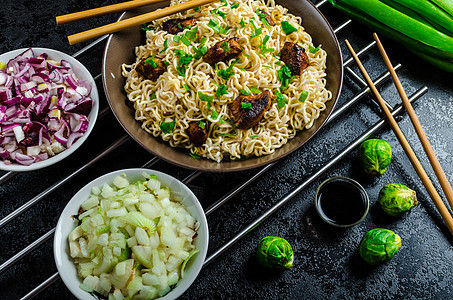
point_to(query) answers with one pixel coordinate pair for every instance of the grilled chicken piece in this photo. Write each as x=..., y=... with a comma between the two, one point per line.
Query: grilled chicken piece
x=151, y=71
x=197, y=134
x=294, y=56
x=217, y=52
x=269, y=19
x=175, y=26
x=245, y=118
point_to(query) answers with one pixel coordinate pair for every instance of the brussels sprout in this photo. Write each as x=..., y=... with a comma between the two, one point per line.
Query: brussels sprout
x=396, y=199
x=379, y=245
x=275, y=252
x=375, y=156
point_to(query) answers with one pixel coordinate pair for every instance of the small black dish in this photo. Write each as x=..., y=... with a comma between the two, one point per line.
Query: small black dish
x=341, y=202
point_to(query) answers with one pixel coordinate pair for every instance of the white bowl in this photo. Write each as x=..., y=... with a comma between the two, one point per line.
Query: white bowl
x=81, y=73
x=66, y=224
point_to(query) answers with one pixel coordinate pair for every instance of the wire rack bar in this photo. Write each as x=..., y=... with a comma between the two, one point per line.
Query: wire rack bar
x=309, y=180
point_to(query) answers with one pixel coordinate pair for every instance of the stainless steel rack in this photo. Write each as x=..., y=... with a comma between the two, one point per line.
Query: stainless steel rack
x=8, y=177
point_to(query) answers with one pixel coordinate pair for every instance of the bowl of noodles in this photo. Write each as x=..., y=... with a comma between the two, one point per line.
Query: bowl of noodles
x=225, y=87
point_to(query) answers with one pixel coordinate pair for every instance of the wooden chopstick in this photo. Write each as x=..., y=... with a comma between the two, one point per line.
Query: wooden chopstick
x=99, y=11
x=135, y=21
x=440, y=174
x=440, y=205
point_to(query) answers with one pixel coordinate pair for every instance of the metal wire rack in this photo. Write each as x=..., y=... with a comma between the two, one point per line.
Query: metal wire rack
x=115, y=146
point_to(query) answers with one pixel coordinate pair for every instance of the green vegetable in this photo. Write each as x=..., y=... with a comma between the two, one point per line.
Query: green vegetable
x=303, y=96
x=165, y=47
x=379, y=245
x=214, y=24
x=167, y=127
x=254, y=90
x=256, y=31
x=242, y=23
x=281, y=100
x=397, y=199
x=202, y=49
x=214, y=114
x=206, y=98
x=151, y=62
x=194, y=155
x=375, y=156
x=246, y=105
x=225, y=47
x=226, y=74
x=234, y=5
x=137, y=219
x=275, y=252
x=262, y=15
x=185, y=40
x=153, y=96
x=284, y=74
x=219, y=12
x=244, y=92
x=263, y=46
x=192, y=33
x=221, y=90
x=186, y=87
x=424, y=27
x=288, y=28
x=183, y=266
x=312, y=49
x=184, y=59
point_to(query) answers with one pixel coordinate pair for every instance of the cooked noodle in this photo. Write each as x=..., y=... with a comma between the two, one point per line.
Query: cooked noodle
x=172, y=102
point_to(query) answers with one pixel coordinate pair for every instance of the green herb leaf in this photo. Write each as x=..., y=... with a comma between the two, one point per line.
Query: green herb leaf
x=242, y=23
x=246, y=55
x=185, y=40
x=256, y=31
x=146, y=27
x=312, y=49
x=285, y=76
x=214, y=24
x=254, y=90
x=186, y=87
x=221, y=90
x=288, y=28
x=195, y=155
x=253, y=136
x=150, y=61
x=201, y=124
x=214, y=114
x=152, y=96
x=242, y=69
x=263, y=46
x=167, y=127
x=206, y=98
x=197, y=9
x=221, y=121
x=225, y=3
x=281, y=100
x=184, y=59
x=226, y=74
x=303, y=96
x=269, y=67
x=166, y=63
x=192, y=33
x=234, y=5
x=176, y=38
x=165, y=47
x=225, y=46
x=219, y=12
x=246, y=105
x=262, y=15
x=229, y=134
x=244, y=92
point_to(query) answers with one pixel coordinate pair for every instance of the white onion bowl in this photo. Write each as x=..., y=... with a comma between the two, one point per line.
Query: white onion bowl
x=65, y=265
x=83, y=74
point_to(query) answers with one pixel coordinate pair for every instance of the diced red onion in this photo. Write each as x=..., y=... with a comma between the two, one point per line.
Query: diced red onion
x=72, y=138
x=24, y=159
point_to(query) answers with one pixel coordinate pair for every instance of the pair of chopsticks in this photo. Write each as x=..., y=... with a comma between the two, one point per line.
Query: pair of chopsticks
x=446, y=187
x=117, y=26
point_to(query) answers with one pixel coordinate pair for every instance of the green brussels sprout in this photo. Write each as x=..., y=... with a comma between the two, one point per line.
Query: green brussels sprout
x=379, y=245
x=275, y=252
x=375, y=156
x=396, y=199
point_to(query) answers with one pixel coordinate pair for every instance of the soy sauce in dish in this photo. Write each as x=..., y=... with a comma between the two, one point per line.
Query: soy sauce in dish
x=341, y=202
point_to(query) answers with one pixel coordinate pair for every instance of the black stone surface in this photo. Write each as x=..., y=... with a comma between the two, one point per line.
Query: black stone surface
x=327, y=264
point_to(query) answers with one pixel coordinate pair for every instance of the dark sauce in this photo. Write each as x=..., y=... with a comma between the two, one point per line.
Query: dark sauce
x=341, y=202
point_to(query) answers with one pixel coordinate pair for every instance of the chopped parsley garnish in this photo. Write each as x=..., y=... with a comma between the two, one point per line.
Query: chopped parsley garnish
x=152, y=96
x=281, y=100
x=214, y=24
x=176, y=38
x=225, y=3
x=285, y=76
x=254, y=90
x=146, y=27
x=242, y=23
x=201, y=124
x=312, y=49
x=221, y=121
x=214, y=114
x=185, y=40
x=165, y=47
x=288, y=28
x=262, y=15
x=246, y=55
x=202, y=49
x=279, y=63
x=234, y=5
x=195, y=155
x=226, y=74
x=192, y=33
x=221, y=90
x=263, y=46
x=186, y=87
x=244, y=92
x=206, y=98
x=219, y=12
x=256, y=31
x=150, y=61
x=225, y=46
x=166, y=63
x=197, y=9
x=303, y=96
x=246, y=105
x=167, y=127
x=253, y=136
x=184, y=59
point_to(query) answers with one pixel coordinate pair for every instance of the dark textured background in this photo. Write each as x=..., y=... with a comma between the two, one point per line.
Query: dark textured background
x=327, y=264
